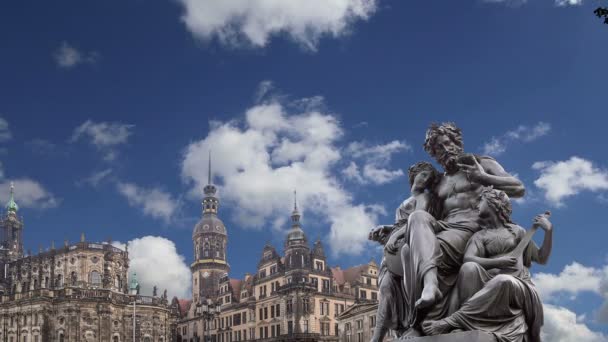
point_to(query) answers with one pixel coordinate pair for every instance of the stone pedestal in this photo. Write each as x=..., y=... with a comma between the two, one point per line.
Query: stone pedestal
x=467, y=336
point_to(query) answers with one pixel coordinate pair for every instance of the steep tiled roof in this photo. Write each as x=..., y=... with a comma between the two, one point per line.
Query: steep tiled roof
x=236, y=287
x=184, y=306
x=349, y=275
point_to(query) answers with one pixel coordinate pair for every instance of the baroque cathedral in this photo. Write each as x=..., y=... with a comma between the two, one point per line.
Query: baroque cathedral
x=74, y=293
x=295, y=296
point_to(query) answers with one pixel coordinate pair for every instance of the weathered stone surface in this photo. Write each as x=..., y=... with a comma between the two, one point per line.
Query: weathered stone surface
x=467, y=336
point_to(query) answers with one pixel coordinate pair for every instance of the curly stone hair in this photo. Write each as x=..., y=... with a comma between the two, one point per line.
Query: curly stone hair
x=499, y=202
x=436, y=130
x=415, y=169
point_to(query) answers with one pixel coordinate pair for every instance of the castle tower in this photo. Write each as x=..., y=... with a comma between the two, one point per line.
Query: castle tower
x=209, y=238
x=297, y=251
x=12, y=229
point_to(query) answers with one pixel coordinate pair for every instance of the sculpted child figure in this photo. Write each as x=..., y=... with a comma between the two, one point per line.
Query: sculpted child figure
x=422, y=177
x=494, y=284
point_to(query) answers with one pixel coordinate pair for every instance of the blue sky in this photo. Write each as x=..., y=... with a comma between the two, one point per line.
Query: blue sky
x=109, y=109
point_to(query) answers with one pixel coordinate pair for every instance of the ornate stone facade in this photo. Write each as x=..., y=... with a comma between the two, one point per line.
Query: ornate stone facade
x=294, y=297
x=75, y=293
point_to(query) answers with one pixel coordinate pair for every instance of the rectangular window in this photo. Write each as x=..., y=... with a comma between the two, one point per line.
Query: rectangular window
x=290, y=327
x=278, y=310
x=244, y=317
x=372, y=321
x=335, y=309
x=265, y=332
x=278, y=329
x=261, y=313
x=272, y=311
x=363, y=294
x=272, y=332
x=359, y=324
x=374, y=295
x=261, y=332
x=289, y=306
x=336, y=329
x=305, y=325
x=266, y=313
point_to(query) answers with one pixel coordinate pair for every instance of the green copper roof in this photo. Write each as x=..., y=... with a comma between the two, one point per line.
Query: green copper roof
x=134, y=283
x=12, y=205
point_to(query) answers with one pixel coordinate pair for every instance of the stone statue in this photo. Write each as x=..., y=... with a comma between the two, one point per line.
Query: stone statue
x=494, y=283
x=435, y=237
x=391, y=310
x=154, y=291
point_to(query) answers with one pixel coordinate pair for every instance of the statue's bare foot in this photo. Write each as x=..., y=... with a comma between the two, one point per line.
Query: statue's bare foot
x=432, y=328
x=430, y=295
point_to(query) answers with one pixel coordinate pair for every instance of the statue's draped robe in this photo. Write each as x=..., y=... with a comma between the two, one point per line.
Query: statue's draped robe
x=434, y=243
x=507, y=303
x=391, y=304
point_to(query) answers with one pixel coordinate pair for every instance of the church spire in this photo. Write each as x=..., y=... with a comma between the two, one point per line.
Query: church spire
x=295, y=214
x=210, y=202
x=209, y=169
x=12, y=206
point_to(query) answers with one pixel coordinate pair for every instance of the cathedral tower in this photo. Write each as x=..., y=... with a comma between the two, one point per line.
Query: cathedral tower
x=12, y=229
x=209, y=238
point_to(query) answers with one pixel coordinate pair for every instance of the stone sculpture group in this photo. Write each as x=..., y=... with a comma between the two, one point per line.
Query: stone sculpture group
x=453, y=260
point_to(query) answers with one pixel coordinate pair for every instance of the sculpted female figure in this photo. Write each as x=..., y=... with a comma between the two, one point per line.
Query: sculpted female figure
x=494, y=286
x=391, y=310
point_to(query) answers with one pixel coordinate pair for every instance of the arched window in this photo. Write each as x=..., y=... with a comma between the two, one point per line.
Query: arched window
x=74, y=278
x=147, y=339
x=61, y=337
x=46, y=282
x=117, y=282
x=95, y=278
x=59, y=280
x=206, y=250
x=115, y=339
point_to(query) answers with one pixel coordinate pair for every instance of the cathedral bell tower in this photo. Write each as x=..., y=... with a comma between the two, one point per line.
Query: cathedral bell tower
x=12, y=229
x=209, y=238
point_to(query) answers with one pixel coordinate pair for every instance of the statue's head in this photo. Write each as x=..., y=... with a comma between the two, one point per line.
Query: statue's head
x=495, y=202
x=422, y=176
x=444, y=143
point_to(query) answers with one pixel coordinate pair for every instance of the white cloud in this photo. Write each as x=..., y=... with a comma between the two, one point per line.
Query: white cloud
x=498, y=145
x=563, y=325
x=104, y=135
x=562, y=3
x=375, y=159
x=154, y=202
x=157, y=263
x=573, y=279
x=5, y=133
x=28, y=194
x=96, y=178
x=261, y=160
x=67, y=56
x=567, y=178
x=254, y=22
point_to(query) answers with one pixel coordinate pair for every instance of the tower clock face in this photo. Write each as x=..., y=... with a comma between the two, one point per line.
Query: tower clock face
x=206, y=275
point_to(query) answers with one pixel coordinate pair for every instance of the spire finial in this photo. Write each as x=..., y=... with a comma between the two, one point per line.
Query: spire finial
x=209, y=170
x=295, y=200
x=12, y=206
